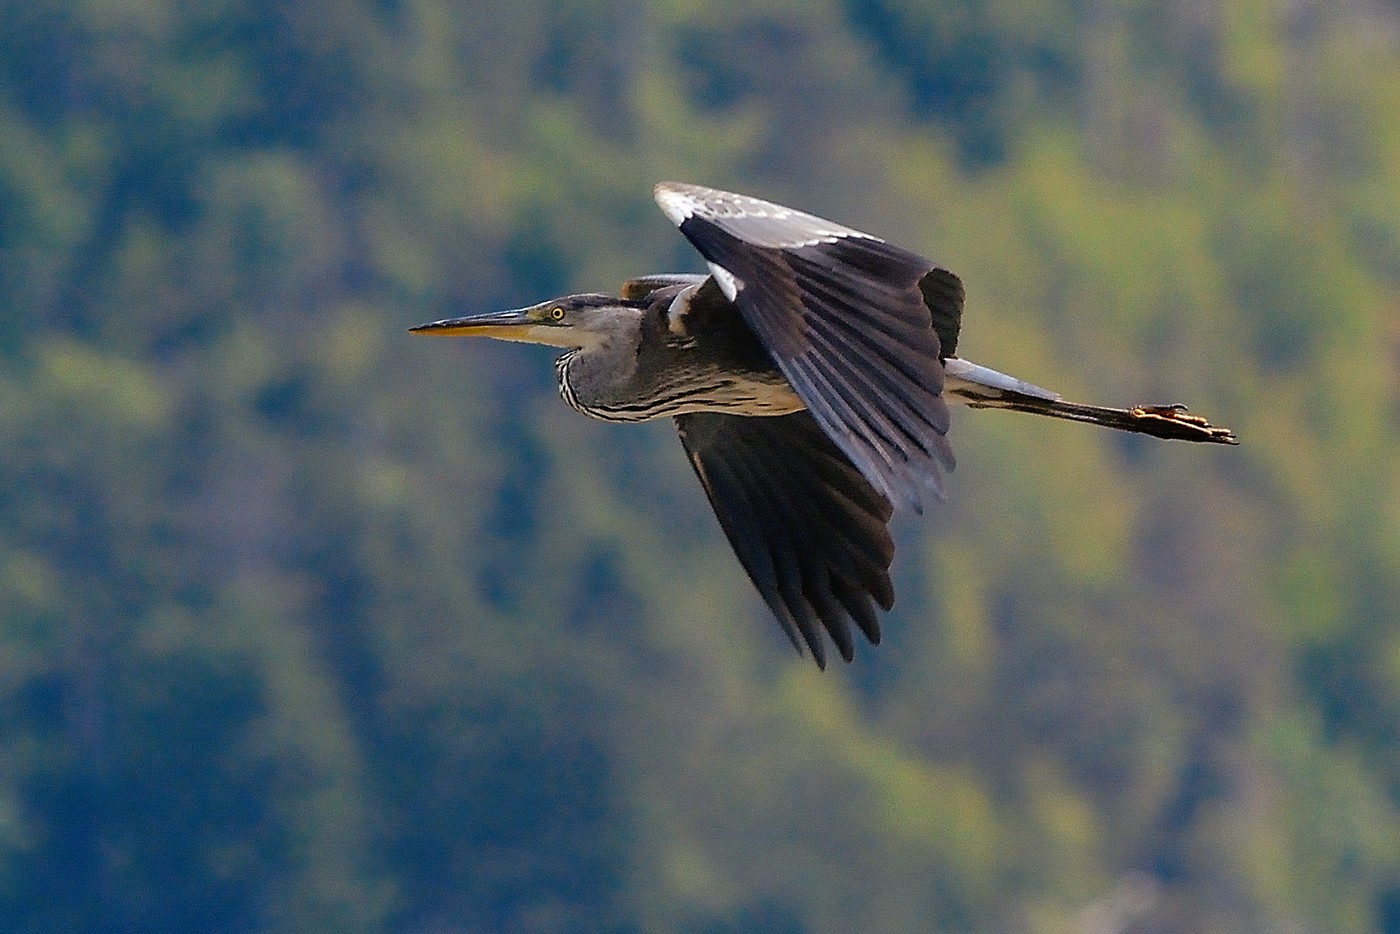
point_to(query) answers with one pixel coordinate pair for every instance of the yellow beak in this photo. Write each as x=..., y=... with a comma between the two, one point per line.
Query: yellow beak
x=503, y=325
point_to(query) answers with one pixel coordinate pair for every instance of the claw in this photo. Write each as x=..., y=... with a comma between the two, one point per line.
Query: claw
x=1183, y=424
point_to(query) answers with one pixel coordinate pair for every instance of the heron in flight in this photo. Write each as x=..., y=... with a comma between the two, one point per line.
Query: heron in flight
x=809, y=375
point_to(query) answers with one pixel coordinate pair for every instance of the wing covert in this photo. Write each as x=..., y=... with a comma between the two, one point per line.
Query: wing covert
x=642, y=286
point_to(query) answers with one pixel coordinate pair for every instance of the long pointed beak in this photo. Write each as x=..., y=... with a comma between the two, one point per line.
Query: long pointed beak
x=503, y=325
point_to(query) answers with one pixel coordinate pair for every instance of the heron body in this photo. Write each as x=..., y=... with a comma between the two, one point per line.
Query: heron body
x=809, y=375
x=686, y=351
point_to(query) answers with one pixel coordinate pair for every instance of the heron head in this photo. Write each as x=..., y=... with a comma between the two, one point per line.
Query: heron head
x=572, y=321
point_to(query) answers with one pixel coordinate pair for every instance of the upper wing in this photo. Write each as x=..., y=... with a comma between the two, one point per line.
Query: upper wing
x=642, y=286
x=857, y=326
x=807, y=527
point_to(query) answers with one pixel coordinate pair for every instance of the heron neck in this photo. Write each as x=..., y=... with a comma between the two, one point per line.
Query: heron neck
x=594, y=375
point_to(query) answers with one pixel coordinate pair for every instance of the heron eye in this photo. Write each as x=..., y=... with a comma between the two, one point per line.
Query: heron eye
x=556, y=313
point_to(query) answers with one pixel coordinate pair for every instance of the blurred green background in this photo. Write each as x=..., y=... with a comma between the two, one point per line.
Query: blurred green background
x=308, y=625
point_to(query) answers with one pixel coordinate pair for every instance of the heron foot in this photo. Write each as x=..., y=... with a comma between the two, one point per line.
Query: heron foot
x=1177, y=422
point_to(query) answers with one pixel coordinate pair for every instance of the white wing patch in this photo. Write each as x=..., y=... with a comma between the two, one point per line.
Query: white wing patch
x=760, y=223
x=676, y=205
x=675, y=314
x=728, y=283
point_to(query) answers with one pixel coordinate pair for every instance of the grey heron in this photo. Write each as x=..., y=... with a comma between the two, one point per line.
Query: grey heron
x=809, y=375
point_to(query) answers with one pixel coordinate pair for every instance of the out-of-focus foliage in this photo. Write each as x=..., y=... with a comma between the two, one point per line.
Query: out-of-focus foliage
x=306, y=625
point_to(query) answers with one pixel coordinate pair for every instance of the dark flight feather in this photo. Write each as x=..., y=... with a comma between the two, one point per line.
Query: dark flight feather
x=808, y=528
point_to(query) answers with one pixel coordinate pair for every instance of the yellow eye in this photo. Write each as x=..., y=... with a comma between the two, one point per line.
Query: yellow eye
x=556, y=313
